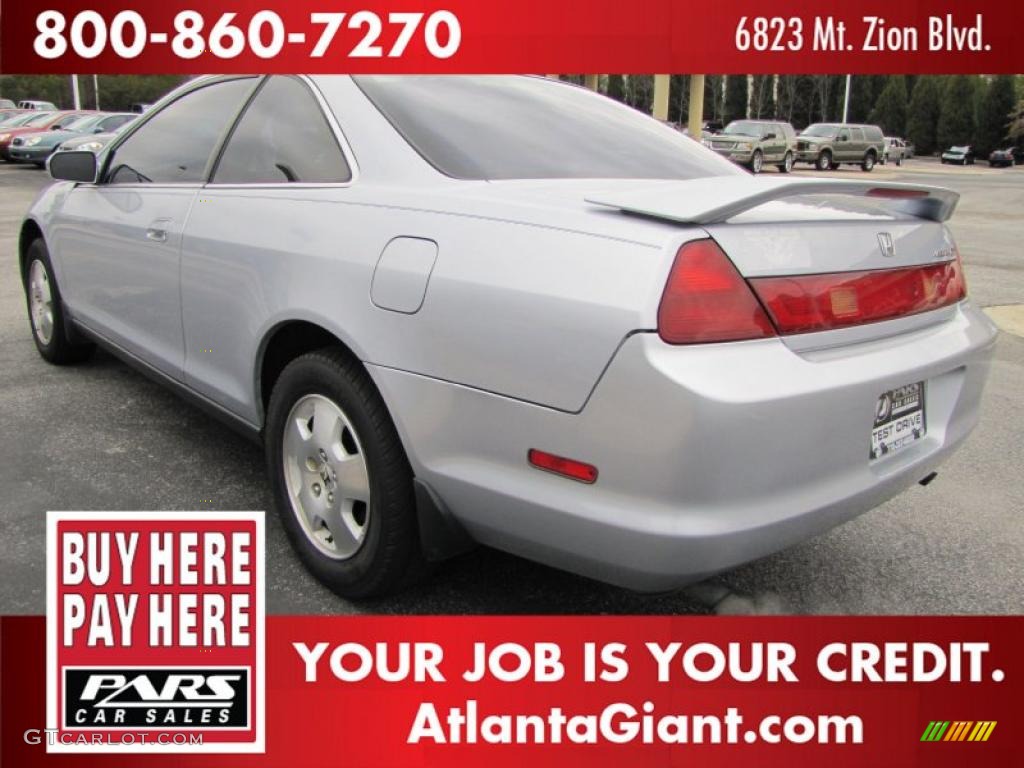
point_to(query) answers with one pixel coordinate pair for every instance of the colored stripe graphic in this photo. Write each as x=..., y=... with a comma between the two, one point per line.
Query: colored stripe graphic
x=935, y=730
x=958, y=730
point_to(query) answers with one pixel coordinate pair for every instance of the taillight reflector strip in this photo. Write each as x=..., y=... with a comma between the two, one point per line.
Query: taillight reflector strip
x=808, y=303
x=897, y=193
x=574, y=470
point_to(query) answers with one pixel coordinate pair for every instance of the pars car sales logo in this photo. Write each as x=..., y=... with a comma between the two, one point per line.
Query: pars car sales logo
x=155, y=632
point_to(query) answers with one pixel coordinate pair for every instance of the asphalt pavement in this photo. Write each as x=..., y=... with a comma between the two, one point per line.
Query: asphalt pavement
x=100, y=436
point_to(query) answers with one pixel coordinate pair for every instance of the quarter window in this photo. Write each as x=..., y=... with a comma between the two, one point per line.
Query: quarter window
x=176, y=143
x=282, y=138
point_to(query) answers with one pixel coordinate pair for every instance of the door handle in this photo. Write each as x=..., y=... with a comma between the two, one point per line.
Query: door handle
x=157, y=231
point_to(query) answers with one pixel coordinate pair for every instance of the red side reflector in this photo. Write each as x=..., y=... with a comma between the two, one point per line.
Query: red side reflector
x=896, y=193
x=807, y=303
x=707, y=300
x=575, y=470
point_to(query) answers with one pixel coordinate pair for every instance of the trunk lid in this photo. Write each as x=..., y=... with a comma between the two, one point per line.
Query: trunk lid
x=798, y=227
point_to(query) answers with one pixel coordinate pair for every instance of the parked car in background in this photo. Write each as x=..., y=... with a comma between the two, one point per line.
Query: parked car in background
x=7, y=104
x=826, y=146
x=6, y=114
x=895, y=150
x=89, y=143
x=139, y=107
x=36, y=147
x=46, y=106
x=1001, y=158
x=963, y=155
x=43, y=121
x=756, y=143
x=643, y=366
x=19, y=117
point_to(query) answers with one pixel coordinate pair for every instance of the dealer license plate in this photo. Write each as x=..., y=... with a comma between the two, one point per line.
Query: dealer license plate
x=899, y=420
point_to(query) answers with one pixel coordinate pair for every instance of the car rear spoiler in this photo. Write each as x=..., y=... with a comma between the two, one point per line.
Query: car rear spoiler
x=717, y=199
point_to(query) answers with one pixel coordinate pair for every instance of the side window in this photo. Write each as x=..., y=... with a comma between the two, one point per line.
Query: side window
x=844, y=135
x=283, y=137
x=858, y=134
x=176, y=143
x=66, y=120
x=113, y=123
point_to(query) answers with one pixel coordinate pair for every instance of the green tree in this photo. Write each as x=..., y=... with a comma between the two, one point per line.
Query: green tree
x=956, y=117
x=923, y=114
x=890, y=111
x=864, y=90
x=616, y=87
x=117, y=92
x=1016, y=126
x=735, y=97
x=993, y=116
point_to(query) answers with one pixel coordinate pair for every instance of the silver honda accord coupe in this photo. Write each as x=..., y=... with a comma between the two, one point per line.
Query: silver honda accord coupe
x=509, y=311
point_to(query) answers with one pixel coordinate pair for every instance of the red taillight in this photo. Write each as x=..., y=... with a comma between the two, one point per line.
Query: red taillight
x=576, y=470
x=707, y=300
x=807, y=303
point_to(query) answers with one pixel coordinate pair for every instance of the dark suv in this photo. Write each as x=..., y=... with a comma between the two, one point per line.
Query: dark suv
x=826, y=146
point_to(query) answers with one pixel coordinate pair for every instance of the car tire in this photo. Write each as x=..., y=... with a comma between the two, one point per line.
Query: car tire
x=868, y=164
x=899, y=161
x=787, y=163
x=46, y=310
x=756, y=162
x=824, y=161
x=367, y=543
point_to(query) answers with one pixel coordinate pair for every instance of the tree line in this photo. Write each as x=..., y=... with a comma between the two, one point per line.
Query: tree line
x=117, y=93
x=932, y=111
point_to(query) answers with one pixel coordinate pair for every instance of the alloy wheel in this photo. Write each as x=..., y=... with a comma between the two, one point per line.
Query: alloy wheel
x=40, y=302
x=326, y=476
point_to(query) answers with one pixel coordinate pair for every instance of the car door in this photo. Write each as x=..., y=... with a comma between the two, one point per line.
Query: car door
x=118, y=241
x=857, y=145
x=842, y=145
x=778, y=143
x=270, y=197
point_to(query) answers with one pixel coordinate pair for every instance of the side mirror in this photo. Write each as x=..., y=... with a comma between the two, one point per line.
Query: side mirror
x=97, y=130
x=842, y=138
x=76, y=165
x=768, y=136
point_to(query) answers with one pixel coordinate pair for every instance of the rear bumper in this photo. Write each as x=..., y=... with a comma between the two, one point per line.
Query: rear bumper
x=709, y=456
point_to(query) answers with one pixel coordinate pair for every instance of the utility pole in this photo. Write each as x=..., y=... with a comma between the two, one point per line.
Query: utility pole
x=96, y=90
x=846, y=100
x=76, y=97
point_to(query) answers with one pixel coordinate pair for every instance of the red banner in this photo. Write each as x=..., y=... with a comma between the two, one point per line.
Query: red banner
x=373, y=691
x=469, y=36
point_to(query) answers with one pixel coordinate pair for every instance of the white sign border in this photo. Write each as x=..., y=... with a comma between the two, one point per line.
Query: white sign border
x=258, y=745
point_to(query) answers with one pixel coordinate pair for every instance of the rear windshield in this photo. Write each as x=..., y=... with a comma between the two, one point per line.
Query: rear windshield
x=533, y=128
